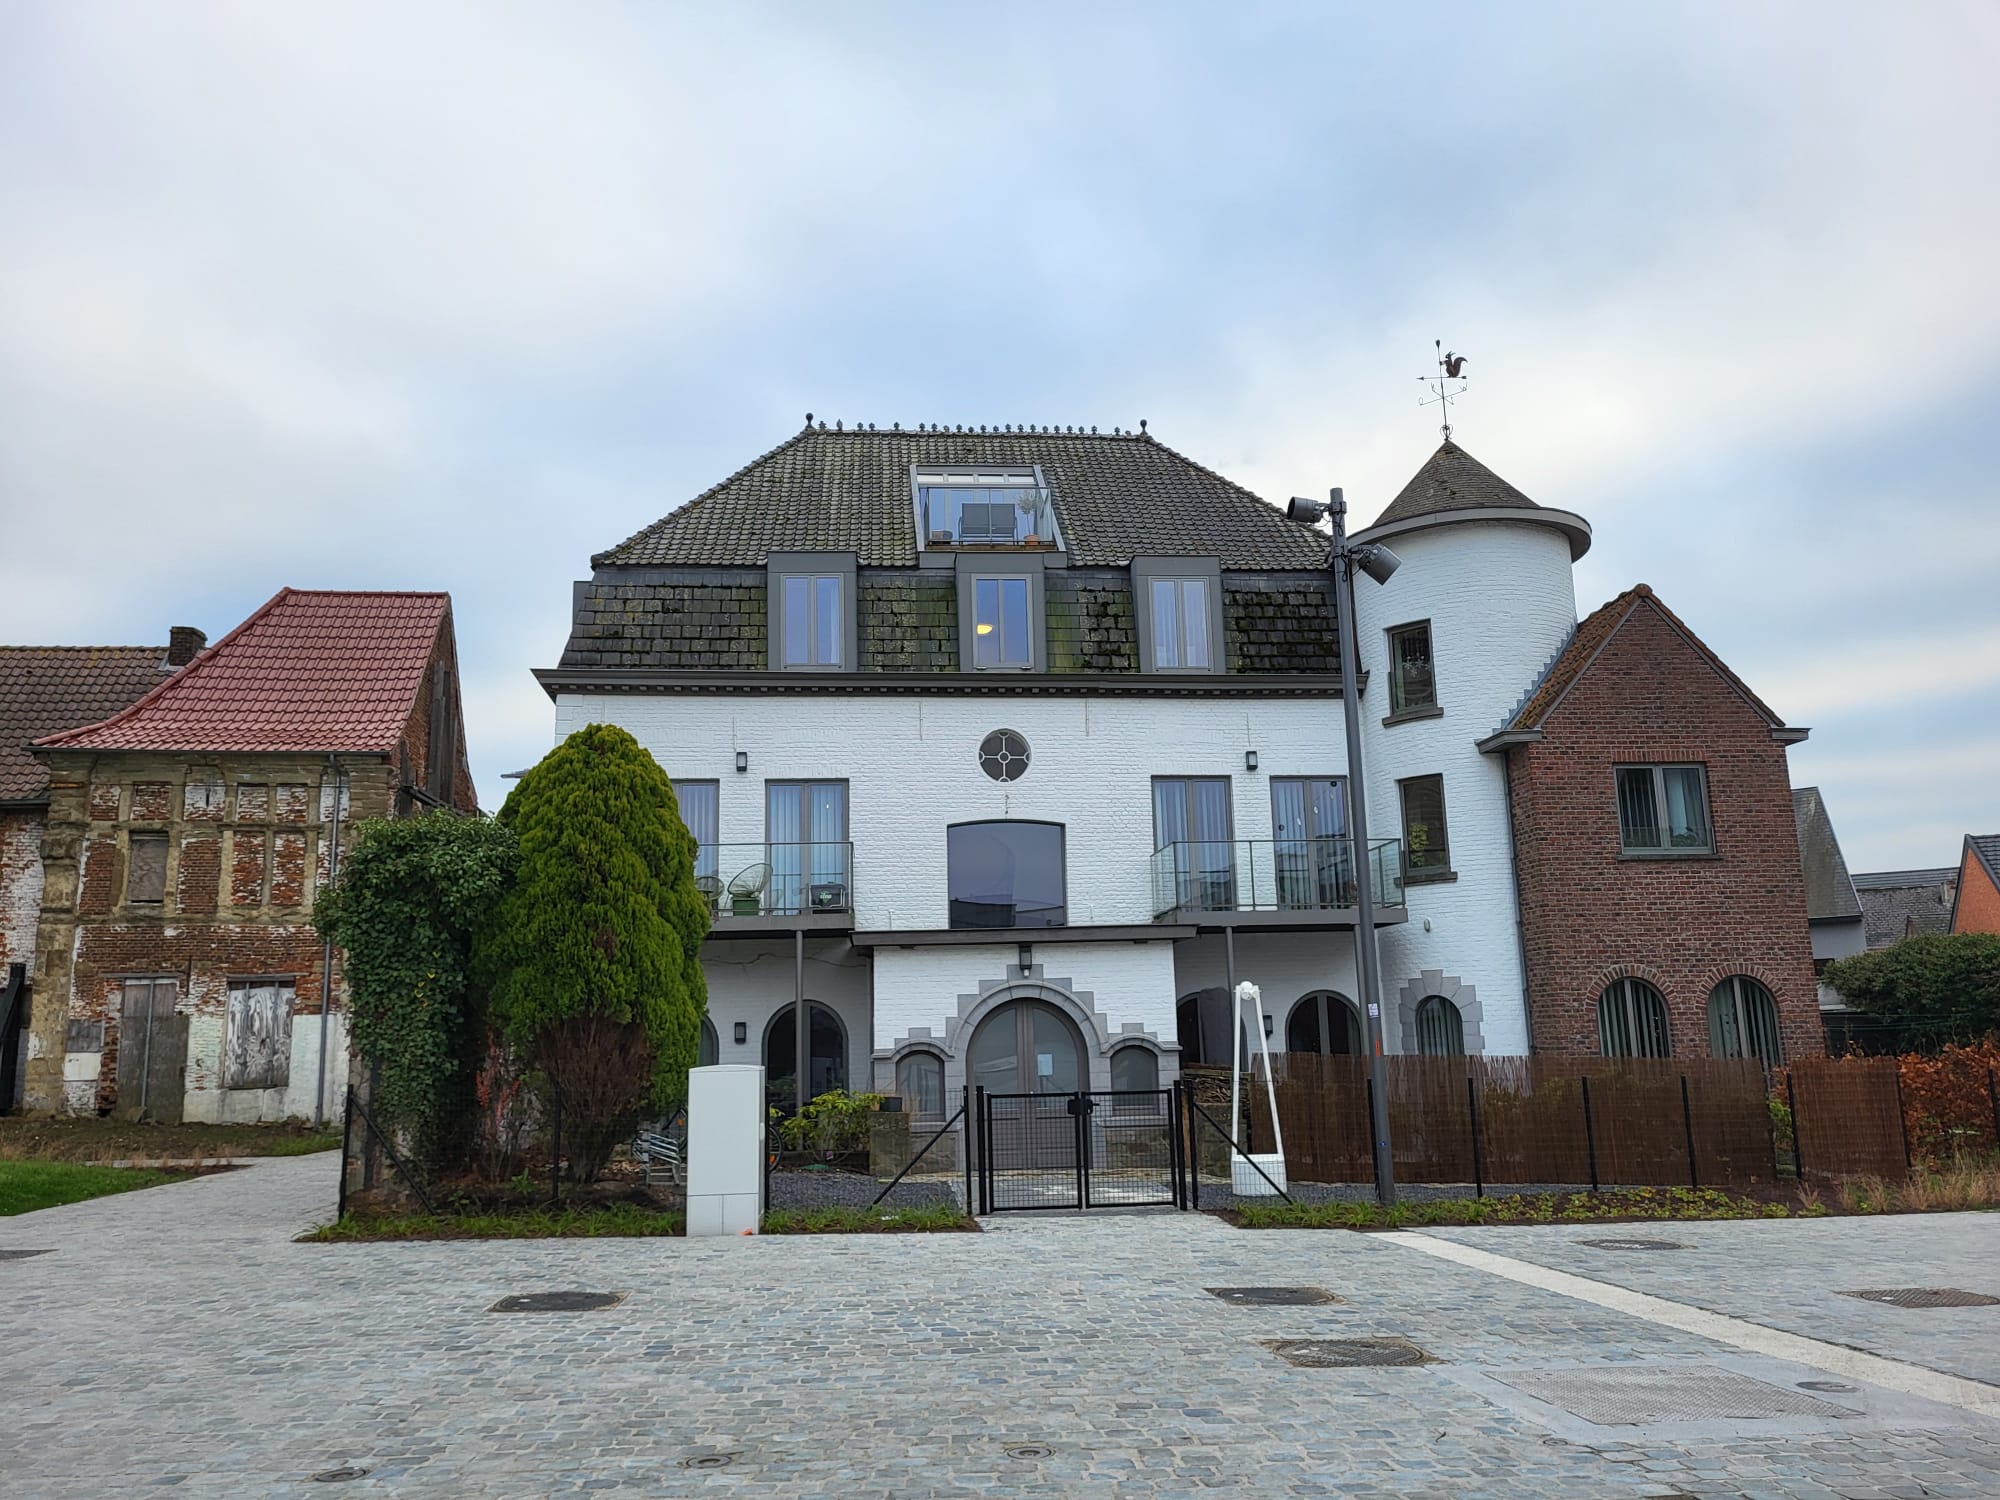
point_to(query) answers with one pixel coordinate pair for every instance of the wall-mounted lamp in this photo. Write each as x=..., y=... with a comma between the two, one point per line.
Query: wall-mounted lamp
x=742, y=760
x=1269, y=1023
x=1025, y=952
x=1249, y=760
x=742, y=1032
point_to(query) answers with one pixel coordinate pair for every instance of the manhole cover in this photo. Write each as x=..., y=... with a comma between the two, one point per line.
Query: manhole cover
x=1927, y=1296
x=1825, y=1385
x=1272, y=1296
x=1346, y=1354
x=22, y=1254
x=1630, y=1244
x=709, y=1460
x=1626, y=1397
x=335, y=1476
x=558, y=1302
x=1030, y=1450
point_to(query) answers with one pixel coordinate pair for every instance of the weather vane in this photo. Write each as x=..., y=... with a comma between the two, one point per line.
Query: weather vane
x=1446, y=386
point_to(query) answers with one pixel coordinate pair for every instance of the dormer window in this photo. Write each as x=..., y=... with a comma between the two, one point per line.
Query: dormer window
x=983, y=506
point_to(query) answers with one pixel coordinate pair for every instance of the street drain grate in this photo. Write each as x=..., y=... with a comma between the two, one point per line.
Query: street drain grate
x=22, y=1254
x=1273, y=1296
x=1628, y=1397
x=558, y=1302
x=1031, y=1450
x=1927, y=1296
x=709, y=1460
x=1633, y=1244
x=1346, y=1354
x=1826, y=1385
x=336, y=1476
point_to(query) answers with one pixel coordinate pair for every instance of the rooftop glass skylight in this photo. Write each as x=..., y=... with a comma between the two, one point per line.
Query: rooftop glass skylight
x=983, y=507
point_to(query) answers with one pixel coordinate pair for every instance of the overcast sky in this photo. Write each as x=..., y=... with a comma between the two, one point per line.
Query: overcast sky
x=416, y=296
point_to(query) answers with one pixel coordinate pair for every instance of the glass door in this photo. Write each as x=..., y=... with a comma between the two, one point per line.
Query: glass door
x=1315, y=858
x=805, y=831
x=1191, y=819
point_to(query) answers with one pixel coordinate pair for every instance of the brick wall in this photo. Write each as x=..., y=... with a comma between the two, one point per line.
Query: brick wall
x=1978, y=898
x=1590, y=915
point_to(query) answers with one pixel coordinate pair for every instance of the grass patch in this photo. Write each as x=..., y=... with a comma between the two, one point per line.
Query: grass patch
x=1634, y=1205
x=91, y=1139
x=28, y=1185
x=931, y=1218
x=606, y=1221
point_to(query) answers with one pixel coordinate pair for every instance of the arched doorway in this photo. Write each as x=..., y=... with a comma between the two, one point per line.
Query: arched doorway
x=826, y=1042
x=1323, y=1022
x=709, y=1050
x=1027, y=1047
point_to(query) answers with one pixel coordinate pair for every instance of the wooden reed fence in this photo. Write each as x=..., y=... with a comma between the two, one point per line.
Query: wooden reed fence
x=1555, y=1120
x=1847, y=1113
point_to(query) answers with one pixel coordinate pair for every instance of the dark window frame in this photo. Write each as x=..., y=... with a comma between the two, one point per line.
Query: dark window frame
x=843, y=567
x=1146, y=571
x=969, y=569
x=1400, y=706
x=1062, y=870
x=1658, y=792
x=1646, y=1017
x=1414, y=873
x=152, y=838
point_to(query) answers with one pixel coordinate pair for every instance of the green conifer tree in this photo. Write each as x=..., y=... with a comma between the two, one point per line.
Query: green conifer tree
x=604, y=922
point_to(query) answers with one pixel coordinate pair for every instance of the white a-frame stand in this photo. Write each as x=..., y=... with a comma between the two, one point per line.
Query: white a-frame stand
x=1245, y=1180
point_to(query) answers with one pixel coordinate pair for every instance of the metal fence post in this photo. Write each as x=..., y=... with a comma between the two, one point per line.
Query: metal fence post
x=1589, y=1134
x=1902, y=1119
x=1687, y=1123
x=1993, y=1098
x=555, y=1145
x=1472, y=1114
x=1792, y=1103
x=965, y=1143
x=1193, y=1150
x=346, y=1141
x=985, y=1151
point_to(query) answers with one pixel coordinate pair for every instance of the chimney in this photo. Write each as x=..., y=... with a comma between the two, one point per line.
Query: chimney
x=184, y=643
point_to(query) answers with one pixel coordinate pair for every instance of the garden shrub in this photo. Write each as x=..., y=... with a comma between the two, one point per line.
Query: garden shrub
x=1938, y=988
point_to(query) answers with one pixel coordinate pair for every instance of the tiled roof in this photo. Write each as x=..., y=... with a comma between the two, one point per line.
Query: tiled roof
x=1987, y=847
x=1829, y=891
x=1905, y=903
x=44, y=689
x=1115, y=495
x=309, y=671
x=1453, y=479
x=1590, y=636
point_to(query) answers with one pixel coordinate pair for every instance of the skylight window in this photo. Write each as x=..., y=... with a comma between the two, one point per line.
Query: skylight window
x=968, y=506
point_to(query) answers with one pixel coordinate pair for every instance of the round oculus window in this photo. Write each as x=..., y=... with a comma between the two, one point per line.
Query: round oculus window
x=1003, y=755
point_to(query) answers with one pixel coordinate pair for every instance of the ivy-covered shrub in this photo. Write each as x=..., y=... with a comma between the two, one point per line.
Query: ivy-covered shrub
x=1938, y=988
x=833, y=1122
x=603, y=918
x=404, y=909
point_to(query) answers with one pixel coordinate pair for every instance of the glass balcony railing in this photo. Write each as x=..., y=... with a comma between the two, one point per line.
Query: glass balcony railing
x=1302, y=875
x=775, y=880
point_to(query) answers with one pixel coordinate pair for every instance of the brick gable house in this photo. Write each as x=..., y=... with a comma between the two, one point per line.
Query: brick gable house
x=178, y=974
x=44, y=689
x=1663, y=904
x=1975, y=905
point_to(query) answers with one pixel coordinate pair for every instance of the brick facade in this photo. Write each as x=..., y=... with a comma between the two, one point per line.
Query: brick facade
x=250, y=840
x=1977, y=907
x=1590, y=914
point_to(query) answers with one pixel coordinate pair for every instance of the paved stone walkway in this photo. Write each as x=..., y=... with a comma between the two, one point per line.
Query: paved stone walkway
x=177, y=1342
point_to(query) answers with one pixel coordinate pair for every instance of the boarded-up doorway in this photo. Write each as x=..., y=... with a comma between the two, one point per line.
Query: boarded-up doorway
x=152, y=1053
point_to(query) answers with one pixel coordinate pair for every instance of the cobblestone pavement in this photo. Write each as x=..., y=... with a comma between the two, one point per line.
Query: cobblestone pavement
x=177, y=1342
x=1790, y=1273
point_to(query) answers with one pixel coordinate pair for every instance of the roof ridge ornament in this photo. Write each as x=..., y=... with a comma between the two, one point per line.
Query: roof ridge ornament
x=1446, y=386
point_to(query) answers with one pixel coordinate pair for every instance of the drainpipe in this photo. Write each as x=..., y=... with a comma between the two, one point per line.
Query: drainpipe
x=1514, y=869
x=801, y=1056
x=326, y=978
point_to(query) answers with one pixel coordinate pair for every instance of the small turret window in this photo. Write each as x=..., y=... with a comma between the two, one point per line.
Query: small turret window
x=1412, y=683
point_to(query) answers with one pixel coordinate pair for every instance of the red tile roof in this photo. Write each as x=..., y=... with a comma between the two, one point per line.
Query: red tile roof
x=44, y=689
x=309, y=671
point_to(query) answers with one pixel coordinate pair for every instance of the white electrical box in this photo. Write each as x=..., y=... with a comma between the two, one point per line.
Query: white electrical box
x=725, y=1150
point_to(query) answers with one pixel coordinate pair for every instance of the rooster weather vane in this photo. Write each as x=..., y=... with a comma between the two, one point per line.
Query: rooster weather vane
x=1446, y=386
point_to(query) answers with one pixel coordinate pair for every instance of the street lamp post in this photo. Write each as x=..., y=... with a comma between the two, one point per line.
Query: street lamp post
x=1378, y=562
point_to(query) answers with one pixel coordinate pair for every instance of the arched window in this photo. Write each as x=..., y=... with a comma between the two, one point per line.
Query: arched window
x=710, y=1048
x=1027, y=1047
x=920, y=1080
x=826, y=1040
x=1323, y=1022
x=1743, y=1020
x=1440, y=1028
x=1135, y=1068
x=1632, y=1020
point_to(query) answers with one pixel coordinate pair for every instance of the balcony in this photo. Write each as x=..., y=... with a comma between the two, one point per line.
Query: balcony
x=753, y=889
x=1302, y=883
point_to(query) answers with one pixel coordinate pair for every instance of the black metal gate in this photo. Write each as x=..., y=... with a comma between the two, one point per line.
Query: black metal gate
x=1112, y=1149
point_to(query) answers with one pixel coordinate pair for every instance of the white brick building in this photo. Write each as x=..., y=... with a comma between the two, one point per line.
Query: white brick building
x=1010, y=750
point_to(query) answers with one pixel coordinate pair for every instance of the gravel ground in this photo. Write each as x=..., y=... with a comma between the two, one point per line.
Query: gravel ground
x=853, y=1190
x=1216, y=1194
